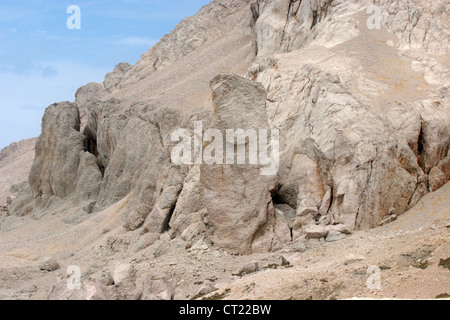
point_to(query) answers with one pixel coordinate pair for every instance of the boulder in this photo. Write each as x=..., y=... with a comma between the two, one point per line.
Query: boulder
x=316, y=232
x=247, y=269
x=49, y=265
x=156, y=287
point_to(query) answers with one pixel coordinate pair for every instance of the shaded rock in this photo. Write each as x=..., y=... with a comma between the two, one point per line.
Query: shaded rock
x=298, y=247
x=247, y=269
x=316, y=232
x=334, y=236
x=284, y=262
x=85, y=96
x=49, y=265
x=207, y=287
x=436, y=179
x=137, y=218
x=106, y=279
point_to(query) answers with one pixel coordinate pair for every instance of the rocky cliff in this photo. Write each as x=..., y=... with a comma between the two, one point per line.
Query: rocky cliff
x=361, y=102
x=363, y=115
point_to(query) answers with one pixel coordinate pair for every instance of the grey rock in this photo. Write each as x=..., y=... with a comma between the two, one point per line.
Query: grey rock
x=206, y=288
x=156, y=287
x=316, y=232
x=85, y=96
x=334, y=236
x=284, y=262
x=247, y=269
x=57, y=154
x=113, y=79
x=106, y=279
x=49, y=265
x=298, y=247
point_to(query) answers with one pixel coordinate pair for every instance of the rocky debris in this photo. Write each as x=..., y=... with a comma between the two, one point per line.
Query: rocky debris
x=49, y=265
x=113, y=79
x=156, y=287
x=90, y=290
x=247, y=269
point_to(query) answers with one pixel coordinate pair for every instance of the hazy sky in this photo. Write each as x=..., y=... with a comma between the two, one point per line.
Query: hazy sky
x=42, y=61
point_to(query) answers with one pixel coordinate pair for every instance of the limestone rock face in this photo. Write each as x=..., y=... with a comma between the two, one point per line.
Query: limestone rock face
x=53, y=175
x=357, y=145
x=235, y=198
x=86, y=95
x=113, y=78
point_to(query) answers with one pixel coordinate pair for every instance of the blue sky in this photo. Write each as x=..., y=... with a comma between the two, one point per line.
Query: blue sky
x=42, y=61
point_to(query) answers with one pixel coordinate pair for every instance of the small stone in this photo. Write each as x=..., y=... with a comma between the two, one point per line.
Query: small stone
x=284, y=262
x=334, y=236
x=207, y=287
x=247, y=269
x=106, y=279
x=49, y=265
x=316, y=232
x=298, y=247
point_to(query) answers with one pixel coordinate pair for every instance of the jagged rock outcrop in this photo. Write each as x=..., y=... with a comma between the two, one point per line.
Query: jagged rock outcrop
x=234, y=199
x=113, y=79
x=85, y=96
x=53, y=175
x=358, y=146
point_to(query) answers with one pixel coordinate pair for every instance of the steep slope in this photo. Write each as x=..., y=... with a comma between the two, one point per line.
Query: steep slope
x=15, y=165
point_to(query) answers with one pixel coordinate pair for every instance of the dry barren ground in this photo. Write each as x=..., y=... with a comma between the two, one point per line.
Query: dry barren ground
x=412, y=254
